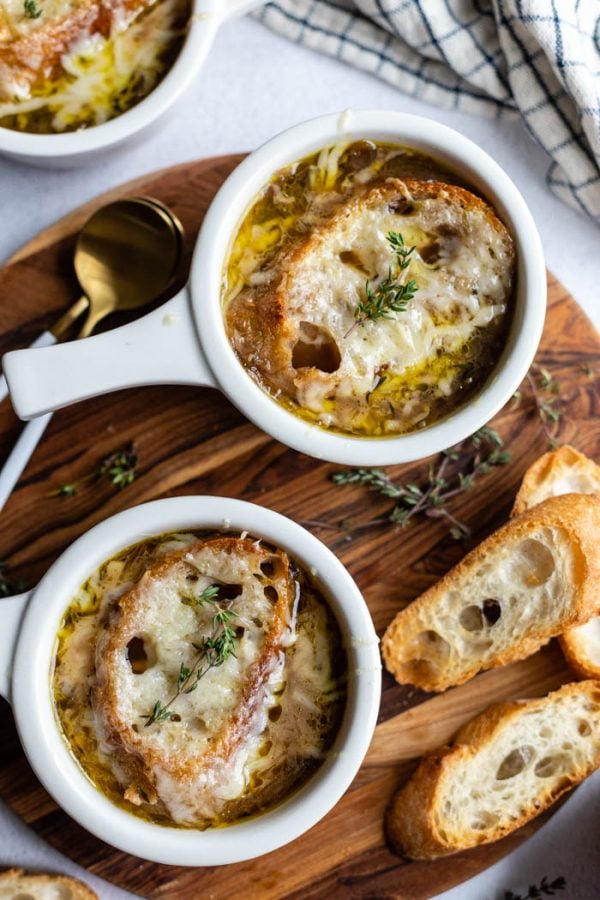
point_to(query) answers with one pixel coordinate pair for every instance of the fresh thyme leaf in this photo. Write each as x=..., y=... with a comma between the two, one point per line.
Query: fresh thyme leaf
x=455, y=472
x=119, y=468
x=548, y=413
x=10, y=586
x=393, y=293
x=31, y=9
x=208, y=595
x=159, y=713
x=545, y=887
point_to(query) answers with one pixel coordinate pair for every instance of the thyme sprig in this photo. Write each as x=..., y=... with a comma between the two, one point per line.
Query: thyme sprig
x=454, y=473
x=545, y=391
x=119, y=467
x=31, y=9
x=9, y=585
x=212, y=651
x=393, y=293
x=545, y=887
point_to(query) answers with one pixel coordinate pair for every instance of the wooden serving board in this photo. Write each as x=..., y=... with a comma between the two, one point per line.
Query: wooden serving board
x=193, y=441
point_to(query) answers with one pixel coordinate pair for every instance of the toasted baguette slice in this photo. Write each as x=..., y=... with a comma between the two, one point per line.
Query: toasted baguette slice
x=562, y=471
x=530, y=581
x=189, y=765
x=15, y=884
x=566, y=471
x=297, y=329
x=504, y=768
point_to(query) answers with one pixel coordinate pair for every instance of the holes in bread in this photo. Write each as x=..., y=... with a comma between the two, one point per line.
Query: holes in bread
x=229, y=591
x=271, y=593
x=534, y=562
x=584, y=728
x=275, y=713
x=476, y=618
x=140, y=654
x=491, y=611
x=431, y=253
x=315, y=349
x=550, y=765
x=272, y=567
x=434, y=644
x=352, y=259
x=471, y=618
x=514, y=763
x=484, y=820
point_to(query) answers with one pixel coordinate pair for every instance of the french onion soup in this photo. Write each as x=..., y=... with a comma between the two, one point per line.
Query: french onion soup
x=71, y=64
x=368, y=289
x=199, y=678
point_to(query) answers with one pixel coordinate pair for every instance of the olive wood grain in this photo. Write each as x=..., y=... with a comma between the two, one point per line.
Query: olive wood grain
x=193, y=441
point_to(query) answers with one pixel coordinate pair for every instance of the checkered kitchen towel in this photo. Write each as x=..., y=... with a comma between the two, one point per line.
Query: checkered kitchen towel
x=536, y=58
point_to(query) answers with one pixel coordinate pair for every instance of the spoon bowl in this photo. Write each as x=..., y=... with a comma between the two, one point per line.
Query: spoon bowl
x=126, y=256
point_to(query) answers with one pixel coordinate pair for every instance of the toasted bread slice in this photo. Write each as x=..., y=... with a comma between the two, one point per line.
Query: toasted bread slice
x=296, y=327
x=190, y=764
x=566, y=471
x=528, y=582
x=503, y=768
x=561, y=471
x=31, y=48
x=15, y=884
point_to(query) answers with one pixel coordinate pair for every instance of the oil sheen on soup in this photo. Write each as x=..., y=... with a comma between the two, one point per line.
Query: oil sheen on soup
x=199, y=678
x=369, y=290
x=71, y=64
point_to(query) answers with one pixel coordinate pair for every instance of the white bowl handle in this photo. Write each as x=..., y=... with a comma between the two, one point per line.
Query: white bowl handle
x=241, y=7
x=11, y=616
x=160, y=348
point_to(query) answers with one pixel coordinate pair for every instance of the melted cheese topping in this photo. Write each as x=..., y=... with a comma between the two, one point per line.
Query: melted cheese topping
x=99, y=76
x=303, y=259
x=291, y=726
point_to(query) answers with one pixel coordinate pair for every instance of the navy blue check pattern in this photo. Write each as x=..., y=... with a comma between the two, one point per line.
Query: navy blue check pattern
x=536, y=58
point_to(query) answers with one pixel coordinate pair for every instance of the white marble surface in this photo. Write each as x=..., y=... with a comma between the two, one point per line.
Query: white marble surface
x=254, y=84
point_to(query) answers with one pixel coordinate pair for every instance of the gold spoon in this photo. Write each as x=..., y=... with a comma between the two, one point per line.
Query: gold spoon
x=126, y=257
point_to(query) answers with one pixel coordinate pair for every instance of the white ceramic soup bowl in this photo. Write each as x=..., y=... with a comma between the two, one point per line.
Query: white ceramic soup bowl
x=28, y=629
x=185, y=342
x=72, y=148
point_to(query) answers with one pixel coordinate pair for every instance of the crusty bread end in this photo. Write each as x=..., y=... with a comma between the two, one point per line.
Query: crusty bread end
x=16, y=884
x=563, y=471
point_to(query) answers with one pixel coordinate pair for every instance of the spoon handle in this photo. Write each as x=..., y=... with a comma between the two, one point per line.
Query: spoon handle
x=20, y=455
x=46, y=339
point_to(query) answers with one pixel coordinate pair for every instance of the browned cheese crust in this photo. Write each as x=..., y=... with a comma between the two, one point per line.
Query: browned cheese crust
x=263, y=331
x=137, y=757
x=31, y=57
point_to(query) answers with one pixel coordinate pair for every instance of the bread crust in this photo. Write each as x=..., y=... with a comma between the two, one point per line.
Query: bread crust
x=412, y=820
x=563, y=468
x=23, y=882
x=137, y=757
x=578, y=517
x=544, y=477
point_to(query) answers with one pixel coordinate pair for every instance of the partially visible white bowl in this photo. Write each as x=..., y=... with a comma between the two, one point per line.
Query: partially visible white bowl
x=28, y=629
x=72, y=148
